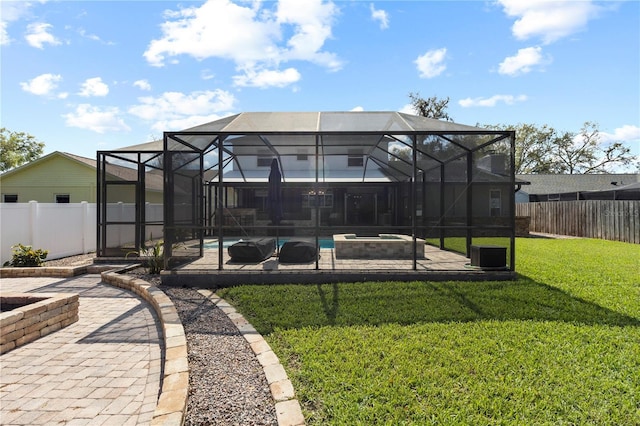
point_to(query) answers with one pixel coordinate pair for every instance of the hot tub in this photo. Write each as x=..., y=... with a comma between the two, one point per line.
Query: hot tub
x=384, y=246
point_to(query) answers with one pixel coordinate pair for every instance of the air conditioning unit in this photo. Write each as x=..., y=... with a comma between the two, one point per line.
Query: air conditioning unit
x=489, y=256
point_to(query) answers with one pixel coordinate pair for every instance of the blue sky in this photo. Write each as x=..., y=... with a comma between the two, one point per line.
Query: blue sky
x=83, y=76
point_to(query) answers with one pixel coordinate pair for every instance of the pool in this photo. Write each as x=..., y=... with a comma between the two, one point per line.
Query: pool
x=325, y=243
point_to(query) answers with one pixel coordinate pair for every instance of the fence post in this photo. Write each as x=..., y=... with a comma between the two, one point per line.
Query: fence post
x=85, y=216
x=33, y=224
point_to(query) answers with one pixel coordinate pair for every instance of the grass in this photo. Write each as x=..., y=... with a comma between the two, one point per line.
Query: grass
x=560, y=345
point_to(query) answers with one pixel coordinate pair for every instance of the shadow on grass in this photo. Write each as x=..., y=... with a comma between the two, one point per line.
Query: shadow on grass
x=297, y=306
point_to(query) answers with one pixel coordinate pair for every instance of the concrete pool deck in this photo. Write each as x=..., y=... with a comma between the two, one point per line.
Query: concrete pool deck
x=435, y=265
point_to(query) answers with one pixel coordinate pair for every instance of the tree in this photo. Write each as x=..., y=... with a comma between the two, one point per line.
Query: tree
x=17, y=148
x=542, y=149
x=533, y=147
x=431, y=107
x=585, y=154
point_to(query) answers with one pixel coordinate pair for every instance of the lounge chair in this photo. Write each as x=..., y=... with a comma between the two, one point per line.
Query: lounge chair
x=252, y=250
x=298, y=251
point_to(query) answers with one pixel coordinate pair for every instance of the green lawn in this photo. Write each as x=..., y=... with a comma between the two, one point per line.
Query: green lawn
x=560, y=345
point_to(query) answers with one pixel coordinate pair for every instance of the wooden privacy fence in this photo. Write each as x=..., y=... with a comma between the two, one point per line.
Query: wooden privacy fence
x=605, y=219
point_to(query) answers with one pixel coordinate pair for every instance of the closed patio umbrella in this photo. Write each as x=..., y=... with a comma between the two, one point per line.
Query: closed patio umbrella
x=274, y=198
x=274, y=195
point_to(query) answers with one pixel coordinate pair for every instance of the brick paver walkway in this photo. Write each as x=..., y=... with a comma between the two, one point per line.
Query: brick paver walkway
x=104, y=369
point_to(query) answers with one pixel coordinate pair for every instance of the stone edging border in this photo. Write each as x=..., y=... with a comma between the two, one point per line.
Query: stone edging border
x=288, y=409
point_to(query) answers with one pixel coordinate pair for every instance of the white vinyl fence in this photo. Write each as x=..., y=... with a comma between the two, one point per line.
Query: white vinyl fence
x=65, y=229
x=120, y=235
x=62, y=229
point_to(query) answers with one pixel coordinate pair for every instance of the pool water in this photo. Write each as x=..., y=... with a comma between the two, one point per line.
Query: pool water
x=325, y=243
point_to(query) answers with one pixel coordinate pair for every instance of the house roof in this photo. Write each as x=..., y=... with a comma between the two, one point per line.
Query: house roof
x=541, y=184
x=154, y=182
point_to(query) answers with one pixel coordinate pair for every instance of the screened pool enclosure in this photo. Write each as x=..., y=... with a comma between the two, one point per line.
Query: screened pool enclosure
x=363, y=175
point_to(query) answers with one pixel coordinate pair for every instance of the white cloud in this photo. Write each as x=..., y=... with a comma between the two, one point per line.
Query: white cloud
x=207, y=74
x=250, y=36
x=431, y=63
x=42, y=85
x=218, y=28
x=38, y=34
x=380, y=15
x=142, y=85
x=99, y=120
x=94, y=87
x=522, y=62
x=492, y=101
x=4, y=34
x=175, y=110
x=14, y=10
x=357, y=109
x=626, y=133
x=311, y=21
x=267, y=78
x=184, y=122
x=548, y=20
x=11, y=11
x=408, y=109
x=83, y=33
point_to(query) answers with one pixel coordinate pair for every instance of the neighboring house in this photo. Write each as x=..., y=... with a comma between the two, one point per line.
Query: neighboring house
x=61, y=177
x=545, y=187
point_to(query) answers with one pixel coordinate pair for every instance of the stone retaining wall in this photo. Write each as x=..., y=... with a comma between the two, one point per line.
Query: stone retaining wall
x=39, y=315
x=42, y=271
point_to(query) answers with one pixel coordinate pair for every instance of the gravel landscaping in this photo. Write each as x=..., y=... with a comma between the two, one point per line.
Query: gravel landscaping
x=227, y=385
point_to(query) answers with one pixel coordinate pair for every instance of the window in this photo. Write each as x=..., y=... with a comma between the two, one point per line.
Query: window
x=302, y=156
x=63, y=198
x=322, y=199
x=495, y=202
x=10, y=198
x=355, y=158
x=264, y=158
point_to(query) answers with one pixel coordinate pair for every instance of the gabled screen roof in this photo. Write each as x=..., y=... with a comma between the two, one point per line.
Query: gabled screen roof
x=312, y=122
x=373, y=134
